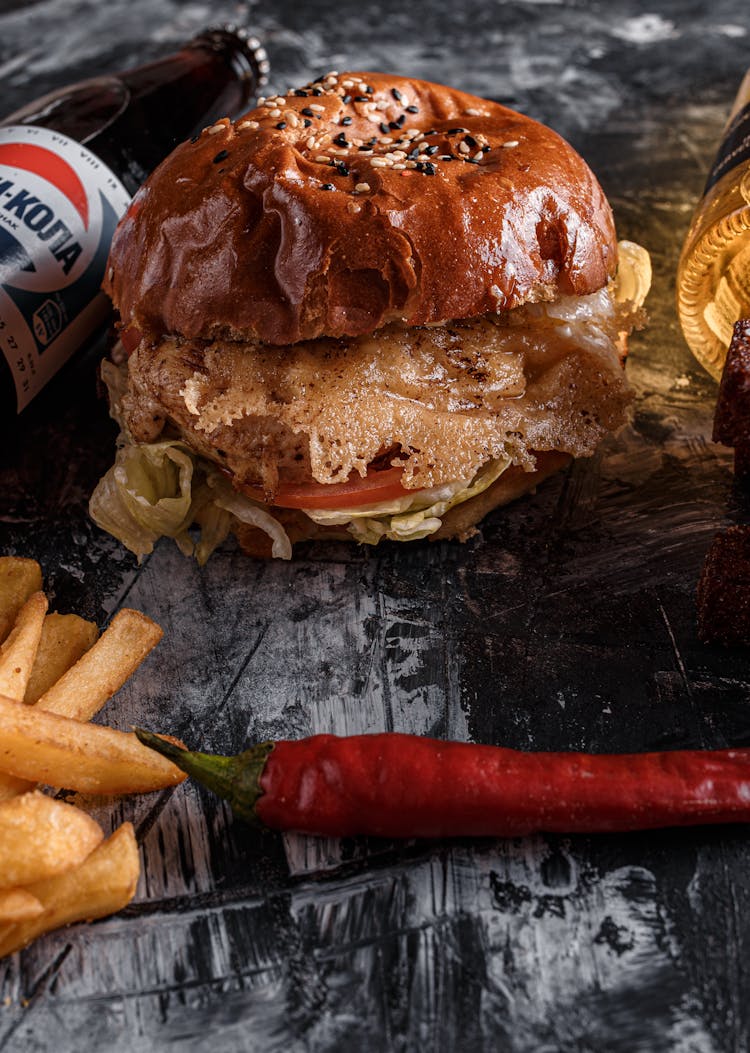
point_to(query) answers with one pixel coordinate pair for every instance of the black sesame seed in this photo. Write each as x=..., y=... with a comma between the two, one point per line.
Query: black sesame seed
x=300, y=93
x=470, y=141
x=307, y=123
x=195, y=138
x=412, y=109
x=281, y=125
x=346, y=120
x=413, y=154
x=470, y=160
x=369, y=89
x=221, y=156
x=397, y=95
x=346, y=99
x=384, y=128
x=401, y=121
x=317, y=91
x=431, y=150
x=429, y=168
x=361, y=98
x=455, y=131
x=373, y=140
x=393, y=126
x=342, y=169
x=420, y=166
x=432, y=131
x=341, y=140
x=486, y=149
x=445, y=157
x=307, y=111
x=327, y=186
x=363, y=149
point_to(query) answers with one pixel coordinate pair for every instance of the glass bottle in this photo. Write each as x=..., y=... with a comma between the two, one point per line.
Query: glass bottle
x=713, y=278
x=69, y=164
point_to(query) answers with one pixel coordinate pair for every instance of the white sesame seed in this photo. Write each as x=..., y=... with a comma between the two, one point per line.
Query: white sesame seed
x=293, y=120
x=362, y=188
x=317, y=107
x=381, y=105
x=310, y=143
x=216, y=128
x=352, y=206
x=247, y=124
x=412, y=133
x=333, y=73
x=261, y=100
x=322, y=159
x=479, y=155
x=397, y=155
x=511, y=142
x=111, y=271
x=424, y=145
x=378, y=162
x=269, y=102
x=475, y=113
x=280, y=100
x=399, y=168
x=463, y=147
x=410, y=164
x=373, y=118
x=347, y=83
x=274, y=113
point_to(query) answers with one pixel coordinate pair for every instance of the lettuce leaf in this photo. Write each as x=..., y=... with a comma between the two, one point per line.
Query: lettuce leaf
x=411, y=517
x=163, y=489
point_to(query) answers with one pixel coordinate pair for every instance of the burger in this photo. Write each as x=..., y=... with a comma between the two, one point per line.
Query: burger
x=373, y=308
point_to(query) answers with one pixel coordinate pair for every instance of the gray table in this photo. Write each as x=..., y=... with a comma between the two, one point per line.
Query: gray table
x=569, y=623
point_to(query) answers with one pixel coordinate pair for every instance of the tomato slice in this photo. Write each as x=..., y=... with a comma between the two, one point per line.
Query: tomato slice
x=375, y=487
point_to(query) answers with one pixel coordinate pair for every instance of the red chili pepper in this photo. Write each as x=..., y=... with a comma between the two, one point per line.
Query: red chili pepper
x=394, y=785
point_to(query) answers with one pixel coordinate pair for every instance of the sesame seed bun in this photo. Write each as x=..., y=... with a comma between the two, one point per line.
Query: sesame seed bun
x=365, y=200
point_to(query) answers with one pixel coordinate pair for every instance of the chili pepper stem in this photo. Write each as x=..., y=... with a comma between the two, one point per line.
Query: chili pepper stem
x=236, y=779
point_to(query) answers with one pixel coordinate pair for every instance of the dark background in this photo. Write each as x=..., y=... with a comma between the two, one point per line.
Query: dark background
x=568, y=623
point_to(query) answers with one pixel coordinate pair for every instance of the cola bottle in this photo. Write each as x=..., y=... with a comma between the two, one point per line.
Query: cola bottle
x=69, y=164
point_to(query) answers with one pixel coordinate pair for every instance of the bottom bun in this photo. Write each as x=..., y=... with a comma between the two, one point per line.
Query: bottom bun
x=459, y=523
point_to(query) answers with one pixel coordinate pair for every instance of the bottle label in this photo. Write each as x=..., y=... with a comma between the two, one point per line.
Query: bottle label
x=59, y=206
x=734, y=149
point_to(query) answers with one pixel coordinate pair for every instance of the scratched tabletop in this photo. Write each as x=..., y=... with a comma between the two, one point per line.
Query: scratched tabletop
x=568, y=623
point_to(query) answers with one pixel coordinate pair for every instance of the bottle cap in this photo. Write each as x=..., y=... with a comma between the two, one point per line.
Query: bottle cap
x=250, y=47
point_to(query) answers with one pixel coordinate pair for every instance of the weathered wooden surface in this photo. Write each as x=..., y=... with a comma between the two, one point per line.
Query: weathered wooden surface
x=569, y=623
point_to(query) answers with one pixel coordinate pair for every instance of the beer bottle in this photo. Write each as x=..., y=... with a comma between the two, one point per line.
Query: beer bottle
x=69, y=163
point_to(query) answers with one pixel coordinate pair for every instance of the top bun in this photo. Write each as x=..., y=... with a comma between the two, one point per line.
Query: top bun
x=360, y=200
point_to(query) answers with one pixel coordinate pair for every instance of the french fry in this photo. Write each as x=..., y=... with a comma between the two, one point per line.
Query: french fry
x=102, y=884
x=18, y=579
x=65, y=638
x=81, y=692
x=41, y=837
x=17, y=658
x=44, y=747
x=18, y=652
x=16, y=904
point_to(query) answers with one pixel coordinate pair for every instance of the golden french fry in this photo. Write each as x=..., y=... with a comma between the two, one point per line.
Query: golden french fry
x=18, y=579
x=65, y=638
x=44, y=747
x=82, y=691
x=18, y=652
x=40, y=837
x=102, y=884
x=16, y=904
